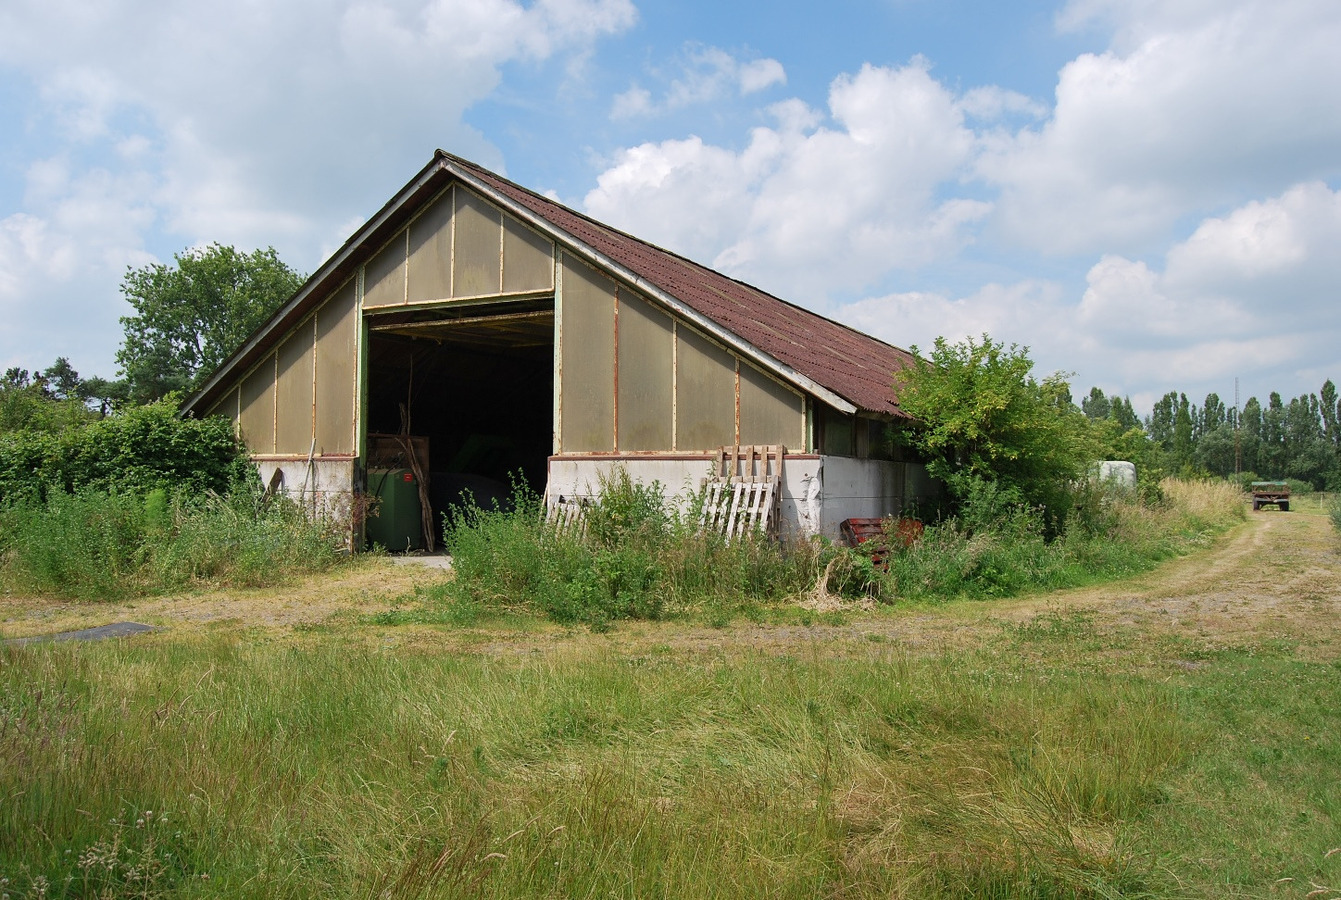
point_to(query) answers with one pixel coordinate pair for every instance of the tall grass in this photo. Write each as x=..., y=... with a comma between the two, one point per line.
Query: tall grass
x=209, y=768
x=94, y=545
x=632, y=556
x=639, y=558
x=1004, y=551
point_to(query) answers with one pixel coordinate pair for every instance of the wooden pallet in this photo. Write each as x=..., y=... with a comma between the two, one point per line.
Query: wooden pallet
x=743, y=493
x=567, y=514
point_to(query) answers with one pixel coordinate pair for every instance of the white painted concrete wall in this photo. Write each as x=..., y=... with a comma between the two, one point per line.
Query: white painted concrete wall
x=818, y=492
x=323, y=487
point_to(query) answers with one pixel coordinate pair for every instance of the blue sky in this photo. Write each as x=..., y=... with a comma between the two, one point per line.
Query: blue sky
x=1144, y=193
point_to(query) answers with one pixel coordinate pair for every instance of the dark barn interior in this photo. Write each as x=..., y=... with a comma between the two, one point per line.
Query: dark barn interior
x=478, y=385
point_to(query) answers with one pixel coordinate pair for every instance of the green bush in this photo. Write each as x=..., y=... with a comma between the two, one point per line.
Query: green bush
x=1335, y=512
x=95, y=545
x=135, y=451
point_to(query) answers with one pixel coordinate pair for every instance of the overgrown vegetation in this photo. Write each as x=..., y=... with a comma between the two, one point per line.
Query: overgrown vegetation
x=98, y=545
x=998, y=547
x=632, y=556
x=640, y=558
x=984, y=425
x=139, y=501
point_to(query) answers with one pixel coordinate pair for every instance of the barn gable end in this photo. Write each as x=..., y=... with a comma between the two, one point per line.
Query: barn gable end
x=510, y=336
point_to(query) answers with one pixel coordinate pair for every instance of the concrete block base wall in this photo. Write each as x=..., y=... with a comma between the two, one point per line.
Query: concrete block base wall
x=818, y=492
x=322, y=487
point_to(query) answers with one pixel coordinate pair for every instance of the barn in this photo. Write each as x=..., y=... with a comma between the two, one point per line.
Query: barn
x=473, y=331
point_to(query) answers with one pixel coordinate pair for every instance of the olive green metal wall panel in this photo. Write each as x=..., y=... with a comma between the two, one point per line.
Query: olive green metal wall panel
x=337, y=371
x=430, y=265
x=384, y=275
x=705, y=394
x=528, y=259
x=587, y=359
x=476, y=259
x=257, y=419
x=227, y=407
x=293, y=391
x=646, y=375
x=837, y=433
x=770, y=413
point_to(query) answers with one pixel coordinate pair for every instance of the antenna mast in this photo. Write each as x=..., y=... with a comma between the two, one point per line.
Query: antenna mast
x=1238, y=444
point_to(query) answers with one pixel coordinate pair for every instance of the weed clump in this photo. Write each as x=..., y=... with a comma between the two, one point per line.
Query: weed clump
x=630, y=555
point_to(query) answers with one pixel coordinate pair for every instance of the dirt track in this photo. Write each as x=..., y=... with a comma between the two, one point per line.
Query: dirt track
x=1277, y=576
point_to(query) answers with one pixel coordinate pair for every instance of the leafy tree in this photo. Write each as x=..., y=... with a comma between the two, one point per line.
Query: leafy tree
x=1096, y=405
x=190, y=316
x=1182, y=434
x=62, y=381
x=108, y=395
x=1159, y=424
x=1331, y=414
x=1215, y=451
x=1120, y=411
x=1213, y=414
x=983, y=418
x=47, y=402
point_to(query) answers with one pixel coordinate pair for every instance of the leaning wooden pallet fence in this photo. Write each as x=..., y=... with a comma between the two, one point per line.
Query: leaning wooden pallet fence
x=743, y=493
x=567, y=514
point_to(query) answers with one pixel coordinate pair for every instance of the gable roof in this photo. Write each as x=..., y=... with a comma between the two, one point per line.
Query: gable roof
x=839, y=365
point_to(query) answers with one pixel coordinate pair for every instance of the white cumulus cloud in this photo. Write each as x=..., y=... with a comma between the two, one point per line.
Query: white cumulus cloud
x=252, y=123
x=806, y=208
x=1193, y=100
x=703, y=75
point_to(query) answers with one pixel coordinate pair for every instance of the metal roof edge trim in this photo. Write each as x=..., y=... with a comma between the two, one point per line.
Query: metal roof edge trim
x=730, y=338
x=317, y=279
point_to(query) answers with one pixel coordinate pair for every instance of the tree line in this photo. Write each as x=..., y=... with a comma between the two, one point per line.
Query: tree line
x=1299, y=439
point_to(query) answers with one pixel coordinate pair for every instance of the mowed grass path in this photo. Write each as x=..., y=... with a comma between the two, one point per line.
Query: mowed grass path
x=1175, y=735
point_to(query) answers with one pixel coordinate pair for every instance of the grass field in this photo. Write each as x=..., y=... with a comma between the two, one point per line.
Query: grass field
x=1172, y=735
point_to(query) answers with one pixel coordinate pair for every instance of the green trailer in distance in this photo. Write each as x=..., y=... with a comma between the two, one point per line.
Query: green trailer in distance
x=1267, y=493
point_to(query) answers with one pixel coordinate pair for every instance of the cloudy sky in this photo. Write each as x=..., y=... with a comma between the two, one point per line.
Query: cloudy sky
x=1142, y=192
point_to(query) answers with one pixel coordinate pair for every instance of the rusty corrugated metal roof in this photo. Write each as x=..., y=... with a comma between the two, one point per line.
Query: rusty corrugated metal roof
x=848, y=362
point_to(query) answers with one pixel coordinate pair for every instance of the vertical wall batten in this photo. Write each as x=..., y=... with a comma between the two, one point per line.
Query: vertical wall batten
x=614, y=371
x=558, y=354
x=675, y=374
x=737, y=441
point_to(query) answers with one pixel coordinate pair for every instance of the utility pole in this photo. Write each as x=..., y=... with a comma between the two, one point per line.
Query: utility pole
x=1238, y=444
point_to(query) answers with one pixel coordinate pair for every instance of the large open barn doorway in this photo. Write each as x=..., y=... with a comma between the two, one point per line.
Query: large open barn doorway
x=470, y=390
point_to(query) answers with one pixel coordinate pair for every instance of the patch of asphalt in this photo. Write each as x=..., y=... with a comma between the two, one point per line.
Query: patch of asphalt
x=102, y=632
